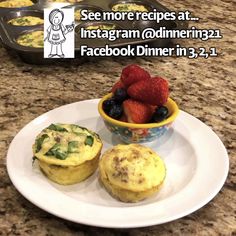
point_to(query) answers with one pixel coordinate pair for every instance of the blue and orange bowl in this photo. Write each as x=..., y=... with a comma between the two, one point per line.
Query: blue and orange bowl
x=139, y=133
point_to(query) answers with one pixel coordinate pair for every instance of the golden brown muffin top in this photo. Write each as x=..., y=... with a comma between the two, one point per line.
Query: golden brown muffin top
x=133, y=167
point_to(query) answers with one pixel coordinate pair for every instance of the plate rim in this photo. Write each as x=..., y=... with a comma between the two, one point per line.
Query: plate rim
x=129, y=225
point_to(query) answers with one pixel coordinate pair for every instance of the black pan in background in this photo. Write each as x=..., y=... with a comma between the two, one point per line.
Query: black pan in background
x=9, y=33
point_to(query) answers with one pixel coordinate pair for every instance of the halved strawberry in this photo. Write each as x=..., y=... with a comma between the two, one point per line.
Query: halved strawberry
x=132, y=74
x=137, y=112
x=118, y=84
x=154, y=91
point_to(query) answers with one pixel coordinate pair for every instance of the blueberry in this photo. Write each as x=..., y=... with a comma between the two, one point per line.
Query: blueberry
x=120, y=95
x=108, y=104
x=160, y=114
x=116, y=111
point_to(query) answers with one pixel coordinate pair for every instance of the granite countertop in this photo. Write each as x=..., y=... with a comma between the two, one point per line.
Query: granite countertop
x=203, y=88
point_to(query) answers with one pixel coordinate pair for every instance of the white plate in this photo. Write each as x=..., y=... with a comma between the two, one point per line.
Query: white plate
x=196, y=160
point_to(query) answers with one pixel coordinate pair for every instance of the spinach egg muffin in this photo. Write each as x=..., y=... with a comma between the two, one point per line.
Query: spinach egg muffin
x=131, y=172
x=26, y=21
x=16, y=3
x=32, y=39
x=67, y=153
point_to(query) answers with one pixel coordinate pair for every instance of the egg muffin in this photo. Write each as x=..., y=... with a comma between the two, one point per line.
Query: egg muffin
x=16, y=3
x=32, y=39
x=101, y=27
x=67, y=153
x=66, y=1
x=126, y=7
x=131, y=172
x=26, y=21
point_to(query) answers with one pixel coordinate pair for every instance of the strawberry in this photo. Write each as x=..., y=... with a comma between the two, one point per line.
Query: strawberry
x=137, y=112
x=132, y=74
x=153, y=108
x=117, y=85
x=154, y=91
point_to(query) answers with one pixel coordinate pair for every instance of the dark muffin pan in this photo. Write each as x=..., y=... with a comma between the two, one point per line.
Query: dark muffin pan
x=9, y=33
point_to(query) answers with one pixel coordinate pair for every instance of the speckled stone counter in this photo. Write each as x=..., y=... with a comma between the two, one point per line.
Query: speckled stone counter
x=203, y=88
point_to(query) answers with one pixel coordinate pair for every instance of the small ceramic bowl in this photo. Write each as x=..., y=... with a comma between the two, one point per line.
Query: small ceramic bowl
x=139, y=133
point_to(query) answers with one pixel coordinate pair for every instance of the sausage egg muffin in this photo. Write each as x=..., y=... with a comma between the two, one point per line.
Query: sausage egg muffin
x=67, y=153
x=131, y=172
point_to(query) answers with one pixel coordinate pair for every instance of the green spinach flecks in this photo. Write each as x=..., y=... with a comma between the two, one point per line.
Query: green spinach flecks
x=89, y=141
x=57, y=128
x=33, y=159
x=72, y=146
x=40, y=141
x=57, y=152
